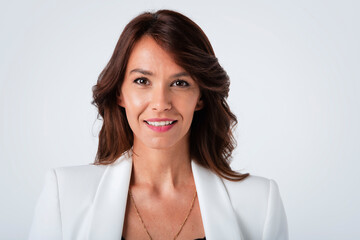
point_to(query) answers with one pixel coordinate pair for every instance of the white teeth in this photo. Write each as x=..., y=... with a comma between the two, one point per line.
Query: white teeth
x=158, y=124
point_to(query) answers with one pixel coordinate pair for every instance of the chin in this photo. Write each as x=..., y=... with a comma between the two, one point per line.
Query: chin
x=160, y=146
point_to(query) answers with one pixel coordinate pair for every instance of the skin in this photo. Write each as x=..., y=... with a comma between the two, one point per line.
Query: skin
x=162, y=181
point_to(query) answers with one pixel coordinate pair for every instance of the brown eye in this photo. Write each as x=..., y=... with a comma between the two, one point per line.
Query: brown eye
x=181, y=83
x=141, y=81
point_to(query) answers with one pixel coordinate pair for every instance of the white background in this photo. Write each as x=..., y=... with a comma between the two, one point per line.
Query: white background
x=294, y=69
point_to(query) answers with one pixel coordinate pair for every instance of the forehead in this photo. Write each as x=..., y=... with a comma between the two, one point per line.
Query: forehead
x=148, y=54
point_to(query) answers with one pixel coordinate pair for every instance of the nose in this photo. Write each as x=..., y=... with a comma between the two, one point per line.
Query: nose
x=161, y=99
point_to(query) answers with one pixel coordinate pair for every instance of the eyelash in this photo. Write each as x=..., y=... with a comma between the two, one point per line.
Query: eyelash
x=182, y=82
x=137, y=81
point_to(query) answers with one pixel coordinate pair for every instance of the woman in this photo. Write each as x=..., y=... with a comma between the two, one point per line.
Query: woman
x=162, y=167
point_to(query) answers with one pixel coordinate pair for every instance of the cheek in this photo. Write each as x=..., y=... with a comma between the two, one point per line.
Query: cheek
x=134, y=101
x=187, y=108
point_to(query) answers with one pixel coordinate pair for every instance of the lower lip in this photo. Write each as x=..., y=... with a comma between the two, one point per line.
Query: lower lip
x=160, y=128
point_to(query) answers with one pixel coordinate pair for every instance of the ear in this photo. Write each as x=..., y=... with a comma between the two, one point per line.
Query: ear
x=119, y=100
x=199, y=105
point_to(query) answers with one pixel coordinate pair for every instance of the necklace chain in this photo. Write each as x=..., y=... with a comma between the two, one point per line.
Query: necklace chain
x=142, y=221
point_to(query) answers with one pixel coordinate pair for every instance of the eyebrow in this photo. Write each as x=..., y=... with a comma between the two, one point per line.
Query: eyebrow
x=149, y=73
x=142, y=71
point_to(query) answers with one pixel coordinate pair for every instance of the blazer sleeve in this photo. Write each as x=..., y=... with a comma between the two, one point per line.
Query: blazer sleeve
x=275, y=223
x=47, y=218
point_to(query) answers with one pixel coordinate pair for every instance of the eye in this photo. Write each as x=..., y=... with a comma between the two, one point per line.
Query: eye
x=141, y=81
x=180, y=83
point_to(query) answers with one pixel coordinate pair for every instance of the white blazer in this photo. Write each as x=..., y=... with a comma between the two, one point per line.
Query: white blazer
x=89, y=202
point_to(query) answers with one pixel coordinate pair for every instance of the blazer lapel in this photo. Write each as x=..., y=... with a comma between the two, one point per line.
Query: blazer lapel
x=105, y=219
x=217, y=213
x=108, y=210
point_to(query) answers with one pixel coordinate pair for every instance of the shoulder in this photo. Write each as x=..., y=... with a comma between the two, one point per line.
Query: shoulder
x=252, y=191
x=65, y=193
x=77, y=179
x=78, y=174
x=76, y=183
x=254, y=187
x=258, y=206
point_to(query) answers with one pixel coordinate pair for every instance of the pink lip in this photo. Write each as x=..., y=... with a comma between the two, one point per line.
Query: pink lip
x=160, y=128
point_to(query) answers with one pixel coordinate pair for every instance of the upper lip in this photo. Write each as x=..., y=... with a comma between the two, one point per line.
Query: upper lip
x=159, y=119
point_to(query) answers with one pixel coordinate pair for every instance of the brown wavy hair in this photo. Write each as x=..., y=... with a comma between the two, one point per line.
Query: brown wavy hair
x=211, y=137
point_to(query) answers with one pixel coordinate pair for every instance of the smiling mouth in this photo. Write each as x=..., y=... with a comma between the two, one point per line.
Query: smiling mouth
x=160, y=123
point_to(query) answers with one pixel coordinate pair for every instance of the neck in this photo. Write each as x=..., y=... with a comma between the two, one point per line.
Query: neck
x=161, y=169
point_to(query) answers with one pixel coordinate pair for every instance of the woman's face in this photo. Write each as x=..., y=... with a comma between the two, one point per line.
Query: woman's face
x=159, y=97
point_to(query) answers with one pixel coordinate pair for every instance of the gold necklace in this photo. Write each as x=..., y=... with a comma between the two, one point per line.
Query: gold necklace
x=143, y=224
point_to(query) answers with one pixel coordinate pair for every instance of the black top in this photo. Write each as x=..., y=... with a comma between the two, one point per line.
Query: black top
x=122, y=238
